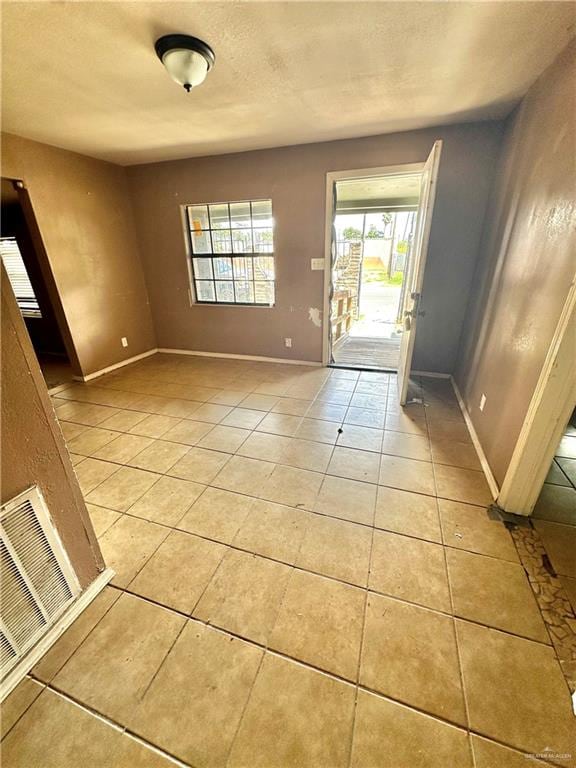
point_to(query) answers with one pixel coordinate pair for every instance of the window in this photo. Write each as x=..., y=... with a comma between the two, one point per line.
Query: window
x=18, y=276
x=232, y=252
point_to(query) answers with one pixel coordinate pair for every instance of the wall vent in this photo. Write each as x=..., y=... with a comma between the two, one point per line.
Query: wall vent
x=37, y=580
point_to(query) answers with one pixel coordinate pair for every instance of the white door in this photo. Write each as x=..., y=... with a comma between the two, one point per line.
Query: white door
x=415, y=276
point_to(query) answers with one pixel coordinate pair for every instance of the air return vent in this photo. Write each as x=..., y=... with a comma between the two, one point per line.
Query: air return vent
x=37, y=580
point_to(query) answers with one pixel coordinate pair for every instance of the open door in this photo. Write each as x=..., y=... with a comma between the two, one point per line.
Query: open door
x=416, y=277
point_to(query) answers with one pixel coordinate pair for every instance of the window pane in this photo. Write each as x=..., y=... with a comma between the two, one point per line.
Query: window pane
x=264, y=267
x=264, y=292
x=263, y=241
x=240, y=215
x=242, y=241
x=223, y=268
x=201, y=242
x=262, y=213
x=221, y=241
x=198, y=217
x=219, y=216
x=205, y=291
x=203, y=269
x=244, y=291
x=224, y=291
x=243, y=268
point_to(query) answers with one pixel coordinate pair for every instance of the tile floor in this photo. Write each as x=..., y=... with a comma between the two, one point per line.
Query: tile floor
x=306, y=576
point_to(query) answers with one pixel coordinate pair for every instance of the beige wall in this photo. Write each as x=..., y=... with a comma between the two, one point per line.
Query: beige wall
x=527, y=265
x=33, y=449
x=295, y=179
x=83, y=211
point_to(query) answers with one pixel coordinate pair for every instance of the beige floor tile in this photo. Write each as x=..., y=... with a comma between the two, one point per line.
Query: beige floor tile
x=365, y=417
x=244, y=418
x=487, y=754
x=123, y=448
x=306, y=454
x=122, y=488
x=217, y=514
x=167, y=501
x=494, y=592
x=336, y=548
x=390, y=735
x=560, y=544
x=123, y=421
x=76, y=459
x=279, y=424
x=118, y=660
x=283, y=726
x=128, y=544
x=468, y=527
x=362, y=438
x=567, y=447
x=92, y=472
x=326, y=412
x=291, y=486
x=407, y=475
x=569, y=468
x=188, y=432
x=291, y=406
x=259, y=402
x=101, y=518
x=272, y=530
x=447, y=429
x=318, y=430
x=211, y=413
x=376, y=402
x=409, y=653
x=228, y=397
x=154, y=426
x=245, y=595
x=346, y=499
x=179, y=571
x=71, y=431
x=160, y=456
x=17, y=702
x=555, y=474
x=195, y=703
x=515, y=690
x=406, y=445
x=354, y=464
x=244, y=475
x=264, y=446
x=199, y=465
x=556, y=503
x=466, y=485
x=91, y=440
x=455, y=454
x=320, y=622
x=84, y=413
x=55, y=733
x=335, y=396
x=412, y=514
x=53, y=661
x=410, y=569
x=406, y=422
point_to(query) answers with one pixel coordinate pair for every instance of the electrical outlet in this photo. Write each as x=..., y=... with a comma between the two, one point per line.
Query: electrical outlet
x=482, y=402
x=124, y=341
x=316, y=264
x=288, y=342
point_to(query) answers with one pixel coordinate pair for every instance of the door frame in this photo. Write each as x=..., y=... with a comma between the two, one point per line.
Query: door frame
x=548, y=413
x=331, y=178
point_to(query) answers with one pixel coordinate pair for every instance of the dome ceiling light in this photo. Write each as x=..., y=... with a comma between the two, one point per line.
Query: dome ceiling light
x=187, y=59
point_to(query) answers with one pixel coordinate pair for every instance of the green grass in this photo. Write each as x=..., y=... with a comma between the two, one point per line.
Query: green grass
x=382, y=277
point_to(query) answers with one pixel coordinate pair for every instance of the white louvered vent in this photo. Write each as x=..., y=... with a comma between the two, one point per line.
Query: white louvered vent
x=37, y=580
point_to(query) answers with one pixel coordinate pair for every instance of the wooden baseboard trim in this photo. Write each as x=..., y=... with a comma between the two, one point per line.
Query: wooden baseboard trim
x=226, y=355
x=115, y=367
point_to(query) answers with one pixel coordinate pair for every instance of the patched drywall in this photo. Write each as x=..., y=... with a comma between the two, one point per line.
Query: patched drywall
x=527, y=265
x=33, y=449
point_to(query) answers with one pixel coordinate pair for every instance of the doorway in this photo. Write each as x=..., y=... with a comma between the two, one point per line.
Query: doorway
x=372, y=235
x=22, y=255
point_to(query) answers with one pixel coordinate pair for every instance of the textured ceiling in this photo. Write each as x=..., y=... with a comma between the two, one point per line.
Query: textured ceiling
x=84, y=75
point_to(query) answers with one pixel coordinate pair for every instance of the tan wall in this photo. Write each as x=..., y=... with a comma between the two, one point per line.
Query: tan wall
x=83, y=212
x=33, y=449
x=528, y=262
x=295, y=179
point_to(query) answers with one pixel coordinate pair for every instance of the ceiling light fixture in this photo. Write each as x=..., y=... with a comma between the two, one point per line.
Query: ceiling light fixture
x=187, y=59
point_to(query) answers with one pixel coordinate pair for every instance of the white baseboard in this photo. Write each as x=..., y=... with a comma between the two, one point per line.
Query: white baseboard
x=431, y=374
x=490, y=479
x=115, y=367
x=226, y=355
x=47, y=641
